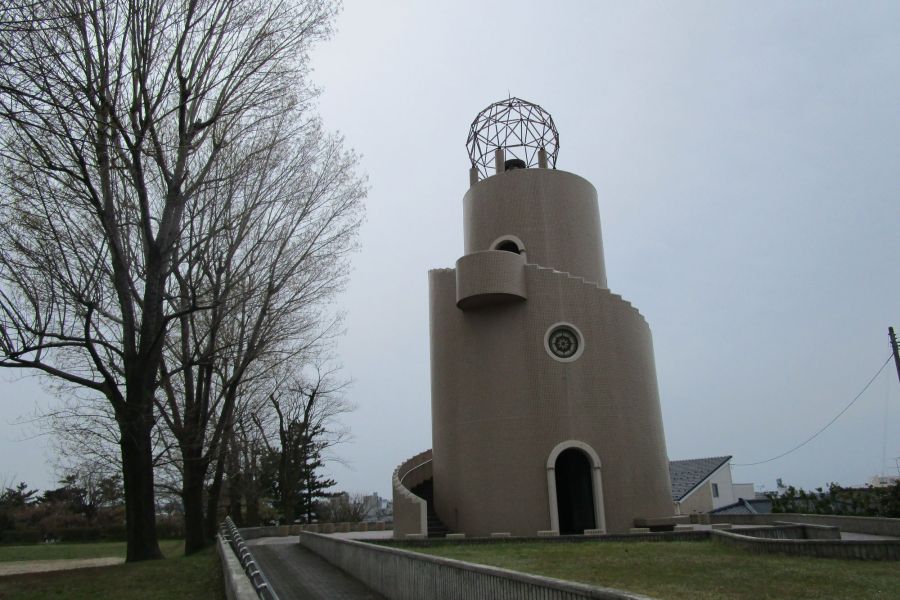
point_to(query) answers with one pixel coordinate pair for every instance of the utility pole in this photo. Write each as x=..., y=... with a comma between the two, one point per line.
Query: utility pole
x=894, y=350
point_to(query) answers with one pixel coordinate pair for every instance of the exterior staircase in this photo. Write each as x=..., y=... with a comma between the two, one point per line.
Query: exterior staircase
x=436, y=527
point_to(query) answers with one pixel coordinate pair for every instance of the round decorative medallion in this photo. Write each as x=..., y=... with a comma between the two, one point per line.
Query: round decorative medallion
x=563, y=342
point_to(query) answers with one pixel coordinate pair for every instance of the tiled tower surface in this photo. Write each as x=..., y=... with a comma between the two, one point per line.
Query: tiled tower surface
x=503, y=407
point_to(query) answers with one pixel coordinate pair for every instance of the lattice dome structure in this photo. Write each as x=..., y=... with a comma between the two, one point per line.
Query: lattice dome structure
x=517, y=126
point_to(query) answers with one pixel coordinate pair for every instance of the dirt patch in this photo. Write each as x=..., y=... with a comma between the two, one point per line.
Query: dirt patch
x=41, y=566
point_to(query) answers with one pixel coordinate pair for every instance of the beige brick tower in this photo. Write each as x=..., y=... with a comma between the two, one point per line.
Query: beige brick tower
x=545, y=408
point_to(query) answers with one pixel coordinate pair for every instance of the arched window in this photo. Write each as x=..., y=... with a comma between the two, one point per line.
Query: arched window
x=508, y=243
x=508, y=246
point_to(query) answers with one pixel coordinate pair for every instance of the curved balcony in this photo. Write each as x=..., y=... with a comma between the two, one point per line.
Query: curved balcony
x=489, y=278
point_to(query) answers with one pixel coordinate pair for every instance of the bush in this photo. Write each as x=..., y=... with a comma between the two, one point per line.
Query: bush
x=836, y=500
x=18, y=537
x=92, y=534
x=69, y=534
x=170, y=528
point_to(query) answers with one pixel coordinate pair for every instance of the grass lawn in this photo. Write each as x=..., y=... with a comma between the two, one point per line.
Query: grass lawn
x=196, y=577
x=676, y=570
x=80, y=550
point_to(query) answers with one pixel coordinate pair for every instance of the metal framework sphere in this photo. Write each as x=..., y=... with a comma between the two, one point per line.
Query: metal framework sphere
x=518, y=127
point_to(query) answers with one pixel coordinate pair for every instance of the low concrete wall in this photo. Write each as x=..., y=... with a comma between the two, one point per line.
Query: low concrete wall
x=813, y=532
x=865, y=549
x=237, y=586
x=868, y=525
x=252, y=533
x=781, y=532
x=403, y=575
x=656, y=536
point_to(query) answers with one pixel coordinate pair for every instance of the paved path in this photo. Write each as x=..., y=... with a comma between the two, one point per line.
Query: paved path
x=20, y=567
x=298, y=574
x=856, y=537
x=364, y=535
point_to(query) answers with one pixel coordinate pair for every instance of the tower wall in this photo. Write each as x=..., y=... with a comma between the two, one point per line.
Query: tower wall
x=554, y=213
x=501, y=403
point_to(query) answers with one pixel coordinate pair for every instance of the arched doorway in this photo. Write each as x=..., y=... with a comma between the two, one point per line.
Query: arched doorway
x=574, y=492
x=575, y=488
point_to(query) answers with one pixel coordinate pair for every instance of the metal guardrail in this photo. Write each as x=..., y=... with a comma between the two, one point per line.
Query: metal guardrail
x=262, y=586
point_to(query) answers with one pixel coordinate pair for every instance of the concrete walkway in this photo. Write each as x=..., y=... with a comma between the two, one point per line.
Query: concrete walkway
x=364, y=535
x=298, y=574
x=21, y=567
x=856, y=537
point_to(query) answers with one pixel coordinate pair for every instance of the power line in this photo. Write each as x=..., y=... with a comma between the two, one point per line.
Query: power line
x=829, y=424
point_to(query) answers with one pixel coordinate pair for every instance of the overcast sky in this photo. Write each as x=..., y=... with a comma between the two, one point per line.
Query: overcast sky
x=747, y=162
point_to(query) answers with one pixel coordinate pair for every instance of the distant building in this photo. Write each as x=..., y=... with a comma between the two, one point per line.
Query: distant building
x=370, y=507
x=883, y=480
x=702, y=485
x=754, y=506
x=376, y=508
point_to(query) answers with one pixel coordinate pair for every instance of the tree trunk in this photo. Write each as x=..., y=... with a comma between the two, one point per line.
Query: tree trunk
x=195, y=538
x=287, y=507
x=308, y=505
x=235, y=483
x=251, y=500
x=252, y=474
x=234, y=504
x=212, y=502
x=137, y=478
x=286, y=486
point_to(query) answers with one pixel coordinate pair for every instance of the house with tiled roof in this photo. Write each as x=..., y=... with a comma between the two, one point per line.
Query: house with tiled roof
x=745, y=506
x=701, y=485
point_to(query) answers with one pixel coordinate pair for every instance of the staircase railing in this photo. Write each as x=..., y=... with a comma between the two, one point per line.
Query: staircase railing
x=410, y=511
x=230, y=534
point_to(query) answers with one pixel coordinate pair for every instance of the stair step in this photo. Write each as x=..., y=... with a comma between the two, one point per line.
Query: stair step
x=436, y=527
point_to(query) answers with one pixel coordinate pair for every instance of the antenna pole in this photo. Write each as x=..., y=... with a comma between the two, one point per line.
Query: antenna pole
x=894, y=350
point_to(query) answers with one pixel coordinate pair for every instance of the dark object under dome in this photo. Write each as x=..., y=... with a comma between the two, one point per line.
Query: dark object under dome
x=518, y=127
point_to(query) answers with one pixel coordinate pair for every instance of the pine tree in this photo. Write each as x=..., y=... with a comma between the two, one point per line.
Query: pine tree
x=313, y=484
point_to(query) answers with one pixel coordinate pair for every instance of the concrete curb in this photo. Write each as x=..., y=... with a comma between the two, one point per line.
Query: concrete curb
x=819, y=548
x=868, y=525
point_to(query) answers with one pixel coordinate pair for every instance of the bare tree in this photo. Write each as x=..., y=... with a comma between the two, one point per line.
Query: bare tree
x=343, y=508
x=116, y=113
x=266, y=251
x=247, y=469
x=303, y=426
x=86, y=440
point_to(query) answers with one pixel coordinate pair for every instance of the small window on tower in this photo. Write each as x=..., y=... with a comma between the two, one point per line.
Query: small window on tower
x=564, y=342
x=715, y=490
x=508, y=246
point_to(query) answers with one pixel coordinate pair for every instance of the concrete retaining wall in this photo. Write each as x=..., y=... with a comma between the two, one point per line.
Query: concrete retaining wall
x=813, y=532
x=403, y=575
x=784, y=532
x=868, y=525
x=658, y=536
x=252, y=533
x=865, y=549
x=237, y=586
